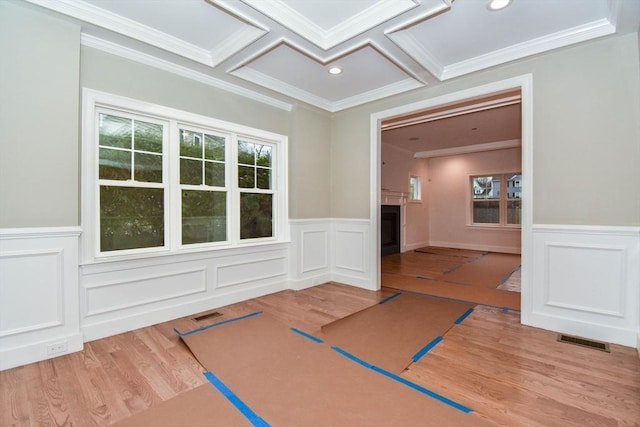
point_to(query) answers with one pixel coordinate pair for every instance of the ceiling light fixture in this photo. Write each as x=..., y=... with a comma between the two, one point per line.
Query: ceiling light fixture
x=494, y=5
x=335, y=70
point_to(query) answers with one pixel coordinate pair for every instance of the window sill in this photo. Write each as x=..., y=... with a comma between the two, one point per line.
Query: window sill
x=496, y=227
x=116, y=262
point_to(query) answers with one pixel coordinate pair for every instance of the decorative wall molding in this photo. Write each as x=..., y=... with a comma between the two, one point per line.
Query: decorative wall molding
x=163, y=288
x=330, y=249
x=39, y=288
x=586, y=281
x=161, y=64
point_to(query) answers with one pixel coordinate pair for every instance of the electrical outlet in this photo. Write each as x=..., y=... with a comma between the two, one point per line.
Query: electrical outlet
x=57, y=348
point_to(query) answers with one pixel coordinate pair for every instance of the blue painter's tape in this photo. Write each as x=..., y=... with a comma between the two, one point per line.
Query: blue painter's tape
x=202, y=328
x=463, y=316
x=352, y=357
x=236, y=401
x=424, y=350
x=404, y=381
x=505, y=309
x=390, y=297
x=306, y=335
x=423, y=390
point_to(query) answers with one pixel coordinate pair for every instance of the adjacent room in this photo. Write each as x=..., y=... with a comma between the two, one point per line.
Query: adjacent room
x=319, y=213
x=447, y=229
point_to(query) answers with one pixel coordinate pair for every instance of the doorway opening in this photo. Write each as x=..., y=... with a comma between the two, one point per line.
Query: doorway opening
x=491, y=98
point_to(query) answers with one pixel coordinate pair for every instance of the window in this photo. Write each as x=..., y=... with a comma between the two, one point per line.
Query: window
x=157, y=179
x=415, y=188
x=490, y=205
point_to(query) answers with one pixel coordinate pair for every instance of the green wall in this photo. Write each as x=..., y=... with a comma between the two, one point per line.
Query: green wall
x=44, y=68
x=586, y=130
x=39, y=65
x=586, y=134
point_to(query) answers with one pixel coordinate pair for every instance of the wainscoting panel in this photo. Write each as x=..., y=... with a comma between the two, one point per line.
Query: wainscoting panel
x=586, y=281
x=251, y=271
x=310, y=252
x=350, y=247
x=38, y=294
x=125, y=295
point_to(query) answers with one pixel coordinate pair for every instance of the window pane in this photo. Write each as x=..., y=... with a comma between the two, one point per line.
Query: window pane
x=190, y=144
x=214, y=174
x=131, y=218
x=115, y=164
x=204, y=216
x=214, y=148
x=246, y=153
x=264, y=178
x=256, y=214
x=486, y=212
x=246, y=177
x=148, y=137
x=148, y=167
x=486, y=187
x=514, y=186
x=114, y=131
x=263, y=155
x=190, y=172
x=513, y=211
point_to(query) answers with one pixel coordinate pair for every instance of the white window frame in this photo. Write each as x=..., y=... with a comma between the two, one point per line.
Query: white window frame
x=502, y=225
x=95, y=101
x=417, y=179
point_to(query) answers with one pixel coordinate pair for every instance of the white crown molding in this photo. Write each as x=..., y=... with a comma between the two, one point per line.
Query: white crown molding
x=125, y=26
x=264, y=80
x=134, y=55
x=412, y=47
x=467, y=149
x=237, y=41
x=378, y=93
x=556, y=40
x=326, y=39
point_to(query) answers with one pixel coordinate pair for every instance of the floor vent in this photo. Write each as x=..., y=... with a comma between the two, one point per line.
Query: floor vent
x=206, y=316
x=583, y=342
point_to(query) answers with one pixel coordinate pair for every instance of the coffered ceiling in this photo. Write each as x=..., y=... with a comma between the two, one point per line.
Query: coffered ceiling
x=278, y=51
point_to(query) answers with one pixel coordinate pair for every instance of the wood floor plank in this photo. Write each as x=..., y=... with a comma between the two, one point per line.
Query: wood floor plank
x=510, y=374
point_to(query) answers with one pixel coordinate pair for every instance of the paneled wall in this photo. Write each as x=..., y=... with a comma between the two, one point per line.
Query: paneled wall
x=38, y=294
x=584, y=281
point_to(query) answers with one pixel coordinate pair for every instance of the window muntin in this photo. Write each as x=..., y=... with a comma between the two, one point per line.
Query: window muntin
x=160, y=180
x=255, y=170
x=492, y=206
x=203, y=177
x=130, y=178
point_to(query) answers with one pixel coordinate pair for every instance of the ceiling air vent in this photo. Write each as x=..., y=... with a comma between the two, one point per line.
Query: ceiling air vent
x=583, y=342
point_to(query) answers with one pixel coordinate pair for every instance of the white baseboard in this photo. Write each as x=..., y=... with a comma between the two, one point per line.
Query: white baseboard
x=142, y=318
x=309, y=282
x=473, y=247
x=41, y=350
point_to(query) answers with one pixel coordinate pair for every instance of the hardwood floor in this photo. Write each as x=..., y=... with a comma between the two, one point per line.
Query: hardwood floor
x=510, y=374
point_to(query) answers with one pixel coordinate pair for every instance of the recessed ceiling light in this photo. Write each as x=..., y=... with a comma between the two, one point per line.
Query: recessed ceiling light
x=498, y=4
x=335, y=70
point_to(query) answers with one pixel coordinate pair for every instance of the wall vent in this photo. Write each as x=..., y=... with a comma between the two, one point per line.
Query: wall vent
x=206, y=316
x=583, y=342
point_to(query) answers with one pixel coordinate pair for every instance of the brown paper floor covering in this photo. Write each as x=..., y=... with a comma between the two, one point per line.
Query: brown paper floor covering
x=203, y=406
x=391, y=333
x=290, y=380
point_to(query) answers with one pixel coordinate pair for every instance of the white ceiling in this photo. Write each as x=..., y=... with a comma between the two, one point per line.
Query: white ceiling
x=276, y=50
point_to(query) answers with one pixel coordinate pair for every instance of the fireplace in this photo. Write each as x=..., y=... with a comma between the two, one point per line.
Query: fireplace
x=390, y=229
